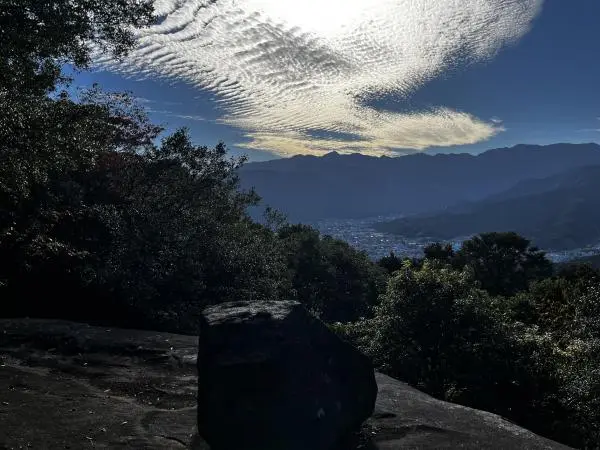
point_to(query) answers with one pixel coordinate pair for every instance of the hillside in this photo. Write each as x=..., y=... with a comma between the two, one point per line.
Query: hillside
x=592, y=260
x=561, y=212
x=351, y=186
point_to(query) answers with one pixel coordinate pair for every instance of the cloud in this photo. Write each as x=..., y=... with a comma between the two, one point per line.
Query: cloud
x=168, y=113
x=281, y=68
x=590, y=130
x=193, y=117
x=144, y=101
x=147, y=101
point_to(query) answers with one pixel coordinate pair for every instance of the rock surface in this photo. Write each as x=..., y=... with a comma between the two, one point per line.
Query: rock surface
x=67, y=385
x=406, y=418
x=280, y=378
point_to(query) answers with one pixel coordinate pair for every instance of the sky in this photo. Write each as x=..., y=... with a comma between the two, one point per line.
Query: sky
x=277, y=78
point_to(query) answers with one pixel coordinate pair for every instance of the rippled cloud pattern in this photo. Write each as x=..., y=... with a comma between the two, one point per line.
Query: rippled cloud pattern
x=282, y=69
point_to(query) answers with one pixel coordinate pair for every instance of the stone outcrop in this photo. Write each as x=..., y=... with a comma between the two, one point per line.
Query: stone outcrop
x=69, y=385
x=406, y=418
x=272, y=377
x=66, y=385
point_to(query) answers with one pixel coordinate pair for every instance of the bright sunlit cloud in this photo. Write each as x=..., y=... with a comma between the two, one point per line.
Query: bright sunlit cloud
x=282, y=68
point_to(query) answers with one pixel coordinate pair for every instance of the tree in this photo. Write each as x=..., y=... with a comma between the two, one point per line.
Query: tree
x=108, y=225
x=39, y=36
x=439, y=252
x=436, y=331
x=567, y=309
x=426, y=318
x=44, y=138
x=48, y=148
x=187, y=220
x=503, y=263
x=334, y=280
x=390, y=263
x=148, y=238
x=578, y=272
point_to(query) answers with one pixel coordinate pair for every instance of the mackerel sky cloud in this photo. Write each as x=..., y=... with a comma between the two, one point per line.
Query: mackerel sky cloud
x=299, y=77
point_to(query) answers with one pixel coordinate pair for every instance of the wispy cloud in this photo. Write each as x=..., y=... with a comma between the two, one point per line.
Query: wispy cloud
x=164, y=112
x=193, y=117
x=147, y=101
x=282, y=68
x=144, y=101
x=590, y=130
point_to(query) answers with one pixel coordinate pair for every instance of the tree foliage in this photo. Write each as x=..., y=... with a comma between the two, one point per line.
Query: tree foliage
x=391, y=263
x=439, y=252
x=504, y=263
x=532, y=358
x=335, y=281
x=93, y=213
x=38, y=36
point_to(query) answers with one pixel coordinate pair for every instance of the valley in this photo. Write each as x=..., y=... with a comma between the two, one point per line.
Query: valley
x=361, y=234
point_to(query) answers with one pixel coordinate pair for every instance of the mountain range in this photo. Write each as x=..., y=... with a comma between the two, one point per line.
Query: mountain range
x=307, y=188
x=560, y=212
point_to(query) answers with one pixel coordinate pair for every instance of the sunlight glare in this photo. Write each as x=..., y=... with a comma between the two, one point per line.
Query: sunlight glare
x=324, y=18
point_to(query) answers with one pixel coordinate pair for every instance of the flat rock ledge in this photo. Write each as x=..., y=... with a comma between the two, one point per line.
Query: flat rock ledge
x=67, y=385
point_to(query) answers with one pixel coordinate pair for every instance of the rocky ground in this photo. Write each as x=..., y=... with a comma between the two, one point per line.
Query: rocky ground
x=66, y=385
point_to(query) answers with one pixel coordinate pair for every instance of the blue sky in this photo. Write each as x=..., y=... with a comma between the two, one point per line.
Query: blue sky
x=273, y=78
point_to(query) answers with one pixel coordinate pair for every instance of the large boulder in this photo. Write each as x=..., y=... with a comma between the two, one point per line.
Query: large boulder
x=272, y=377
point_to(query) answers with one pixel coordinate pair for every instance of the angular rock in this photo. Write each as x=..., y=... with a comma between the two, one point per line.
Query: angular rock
x=272, y=377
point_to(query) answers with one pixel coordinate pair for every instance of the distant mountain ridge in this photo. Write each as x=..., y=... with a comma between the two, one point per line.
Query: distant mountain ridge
x=561, y=212
x=352, y=186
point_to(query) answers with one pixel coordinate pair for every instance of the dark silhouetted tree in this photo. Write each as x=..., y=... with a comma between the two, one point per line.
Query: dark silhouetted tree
x=391, y=263
x=334, y=280
x=39, y=36
x=439, y=252
x=504, y=263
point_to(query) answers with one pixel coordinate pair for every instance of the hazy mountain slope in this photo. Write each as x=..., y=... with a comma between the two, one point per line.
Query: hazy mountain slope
x=346, y=186
x=593, y=260
x=560, y=212
x=568, y=179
